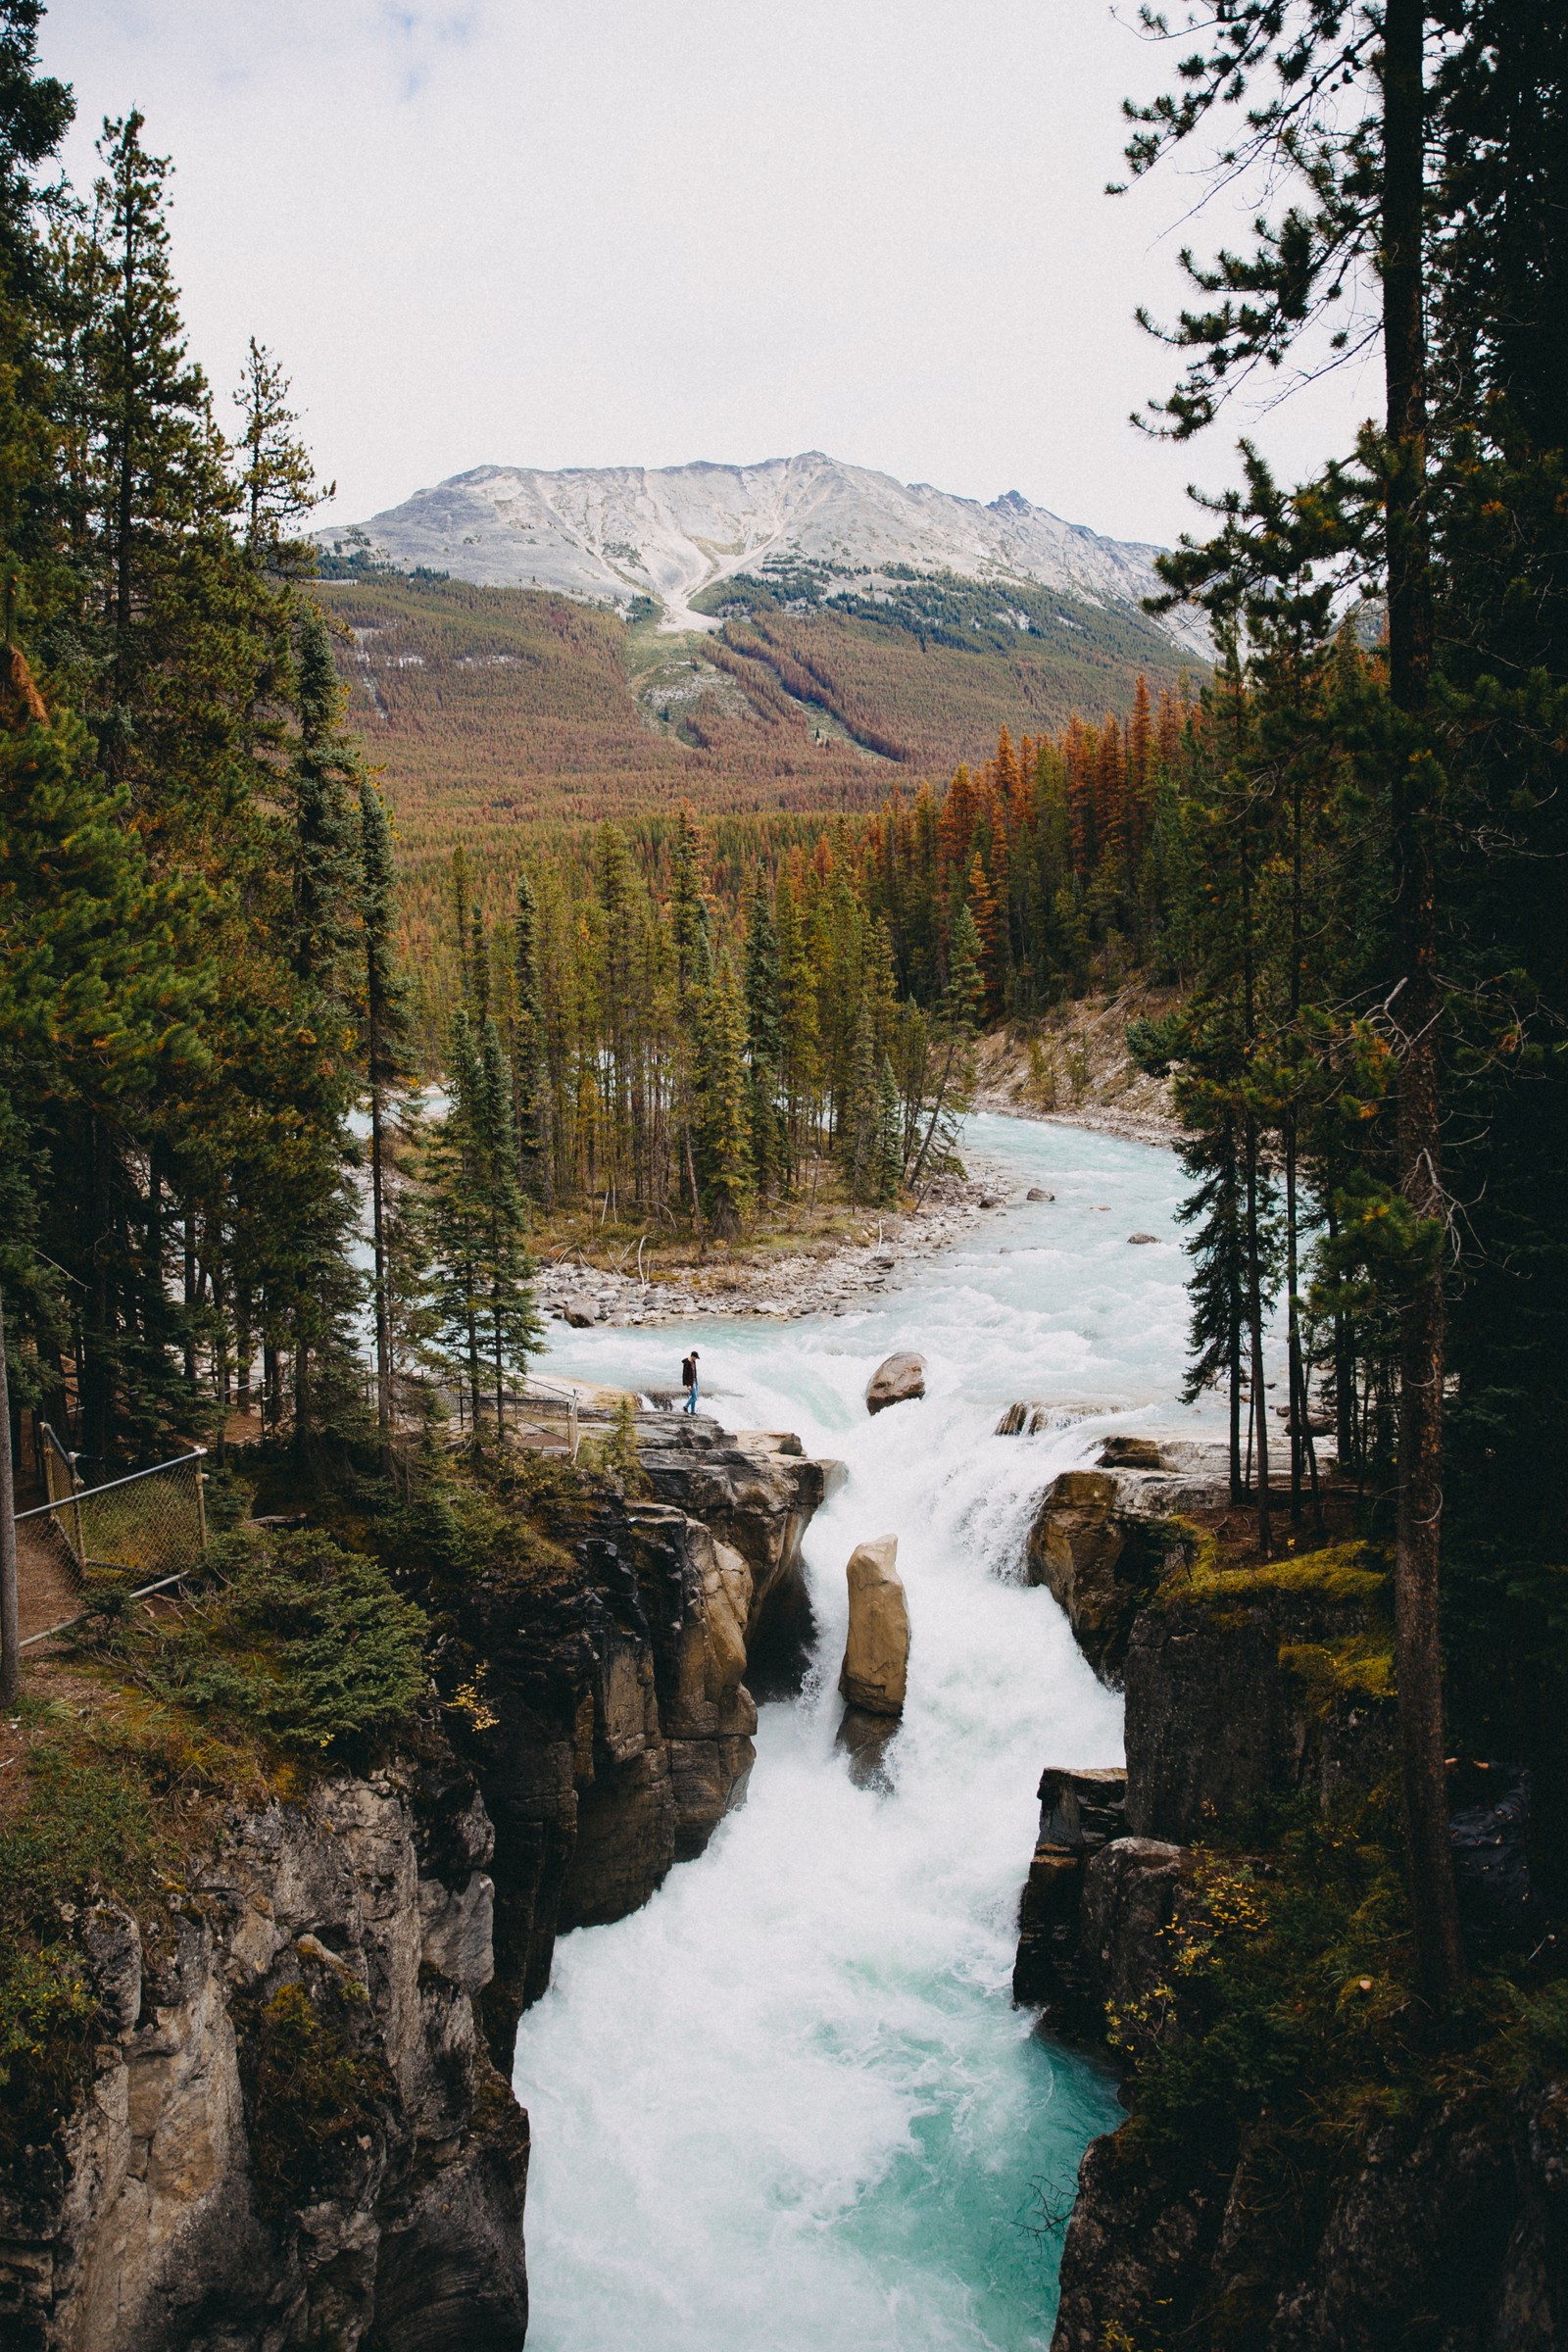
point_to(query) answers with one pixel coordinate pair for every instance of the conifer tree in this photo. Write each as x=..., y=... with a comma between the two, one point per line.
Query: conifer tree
x=387, y=1064
x=528, y=1054
x=723, y=1131
x=481, y=1298
x=765, y=1027
x=277, y=478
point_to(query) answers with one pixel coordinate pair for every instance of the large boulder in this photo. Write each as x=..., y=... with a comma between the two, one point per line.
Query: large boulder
x=895, y=1382
x=876, y=1655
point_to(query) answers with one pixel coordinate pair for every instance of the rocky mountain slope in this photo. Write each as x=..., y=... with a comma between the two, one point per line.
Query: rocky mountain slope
x=615, y=534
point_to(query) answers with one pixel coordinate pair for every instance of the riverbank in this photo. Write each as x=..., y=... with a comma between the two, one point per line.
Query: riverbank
x=821, y=1266
x=1073, y=1068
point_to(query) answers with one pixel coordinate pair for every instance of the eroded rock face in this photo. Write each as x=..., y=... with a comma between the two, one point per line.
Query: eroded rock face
x=897, y=1380
x=1460, y=2215
x=874, y=1676
x=1219, y=1718
x=1080, y=1812
x=621, y=1683
x=1102, y=1561
x=756, y=1494
x=159, y=2221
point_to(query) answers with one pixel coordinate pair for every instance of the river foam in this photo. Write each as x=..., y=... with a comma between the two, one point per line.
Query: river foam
x=788, y=2106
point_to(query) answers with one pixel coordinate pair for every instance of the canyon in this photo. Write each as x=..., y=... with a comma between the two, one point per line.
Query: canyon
x=802, y=2067
x=385, y=1931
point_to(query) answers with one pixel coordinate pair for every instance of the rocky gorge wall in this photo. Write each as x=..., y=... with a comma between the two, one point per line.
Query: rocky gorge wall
x=300, y=2129
x=325, y=1957
x=1444, y=2226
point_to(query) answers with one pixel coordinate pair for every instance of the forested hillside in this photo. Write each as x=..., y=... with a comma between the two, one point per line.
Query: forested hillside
x=505, y=721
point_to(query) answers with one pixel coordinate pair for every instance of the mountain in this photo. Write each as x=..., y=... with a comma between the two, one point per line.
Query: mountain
x=621, y=534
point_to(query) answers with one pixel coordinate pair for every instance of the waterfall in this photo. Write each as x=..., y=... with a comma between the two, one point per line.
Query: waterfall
x=789, y=2107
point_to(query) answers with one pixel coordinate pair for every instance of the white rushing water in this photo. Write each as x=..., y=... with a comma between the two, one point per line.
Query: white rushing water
x=788, y=2106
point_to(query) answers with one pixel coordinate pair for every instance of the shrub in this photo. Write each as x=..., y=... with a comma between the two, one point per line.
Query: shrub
x=305, y=1643
x=312, y=2090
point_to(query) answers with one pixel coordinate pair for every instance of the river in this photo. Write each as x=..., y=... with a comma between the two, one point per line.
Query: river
x=788, y=2106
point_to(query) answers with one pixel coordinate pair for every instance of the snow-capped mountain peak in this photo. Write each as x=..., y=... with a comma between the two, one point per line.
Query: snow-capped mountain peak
x=614, y=534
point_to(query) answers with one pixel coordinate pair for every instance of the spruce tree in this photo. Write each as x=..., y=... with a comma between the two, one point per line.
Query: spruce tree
x=722, y=1128
x=764, y=1026
x=387, y=1064
x=530, y=1072
x=481, y=1300
x=277, y=477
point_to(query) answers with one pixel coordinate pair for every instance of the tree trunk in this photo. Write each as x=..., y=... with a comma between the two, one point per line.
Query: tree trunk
x=1254, y=1320
x=383, y=1325
x=1438, y=1952
x=244, y=1342
x=1297, y=1380
x=96, y=1382
x=10, y=1605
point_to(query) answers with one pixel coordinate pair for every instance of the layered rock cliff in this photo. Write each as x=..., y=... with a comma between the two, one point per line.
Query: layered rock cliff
x=618, y=1711
x=294, y=2132
x=1436, y=2214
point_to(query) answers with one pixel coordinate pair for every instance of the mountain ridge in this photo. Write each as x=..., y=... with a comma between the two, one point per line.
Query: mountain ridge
x=673, y=534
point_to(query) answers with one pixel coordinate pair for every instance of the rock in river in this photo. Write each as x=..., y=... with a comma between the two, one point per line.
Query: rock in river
x=876, y=1655
x=900, y=1378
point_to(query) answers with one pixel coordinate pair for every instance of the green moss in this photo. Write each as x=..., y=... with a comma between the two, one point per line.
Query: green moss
x=1339, y=1572
x=1360, y=1667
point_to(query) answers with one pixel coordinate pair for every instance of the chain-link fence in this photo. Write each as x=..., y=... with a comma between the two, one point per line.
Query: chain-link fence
x=150, y=1526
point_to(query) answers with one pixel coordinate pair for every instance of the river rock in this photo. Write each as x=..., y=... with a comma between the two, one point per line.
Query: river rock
x=895, y=1381
x=1138, y=1239
x=876, y=1655
x=1130, y=1453
x=865, y=1741
x=579, y=1310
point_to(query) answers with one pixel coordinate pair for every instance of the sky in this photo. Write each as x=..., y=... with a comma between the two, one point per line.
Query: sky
x=595, y=232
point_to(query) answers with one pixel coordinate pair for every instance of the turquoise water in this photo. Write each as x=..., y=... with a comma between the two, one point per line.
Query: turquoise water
x=789, y=2106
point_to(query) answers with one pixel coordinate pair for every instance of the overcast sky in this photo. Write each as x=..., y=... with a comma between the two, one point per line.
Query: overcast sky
x=592, y=232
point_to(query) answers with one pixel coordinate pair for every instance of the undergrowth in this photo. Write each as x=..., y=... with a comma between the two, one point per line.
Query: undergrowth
x=317, y=2093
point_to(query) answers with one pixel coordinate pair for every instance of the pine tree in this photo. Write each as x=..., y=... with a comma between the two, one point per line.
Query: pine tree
x=722, y=1136
x=890, y=1123
x=482, y=1302
x=277, y=479
x=387, y=1064
x=529, y=1056
x=764, y=1028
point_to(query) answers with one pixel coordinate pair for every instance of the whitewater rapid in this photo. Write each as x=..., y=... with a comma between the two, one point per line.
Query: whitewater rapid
x=789, y=2106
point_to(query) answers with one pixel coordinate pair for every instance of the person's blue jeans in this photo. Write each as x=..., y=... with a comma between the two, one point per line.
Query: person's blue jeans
x=690, y=1398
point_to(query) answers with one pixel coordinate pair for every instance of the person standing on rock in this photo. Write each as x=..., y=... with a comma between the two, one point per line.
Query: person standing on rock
x=688, y=1380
